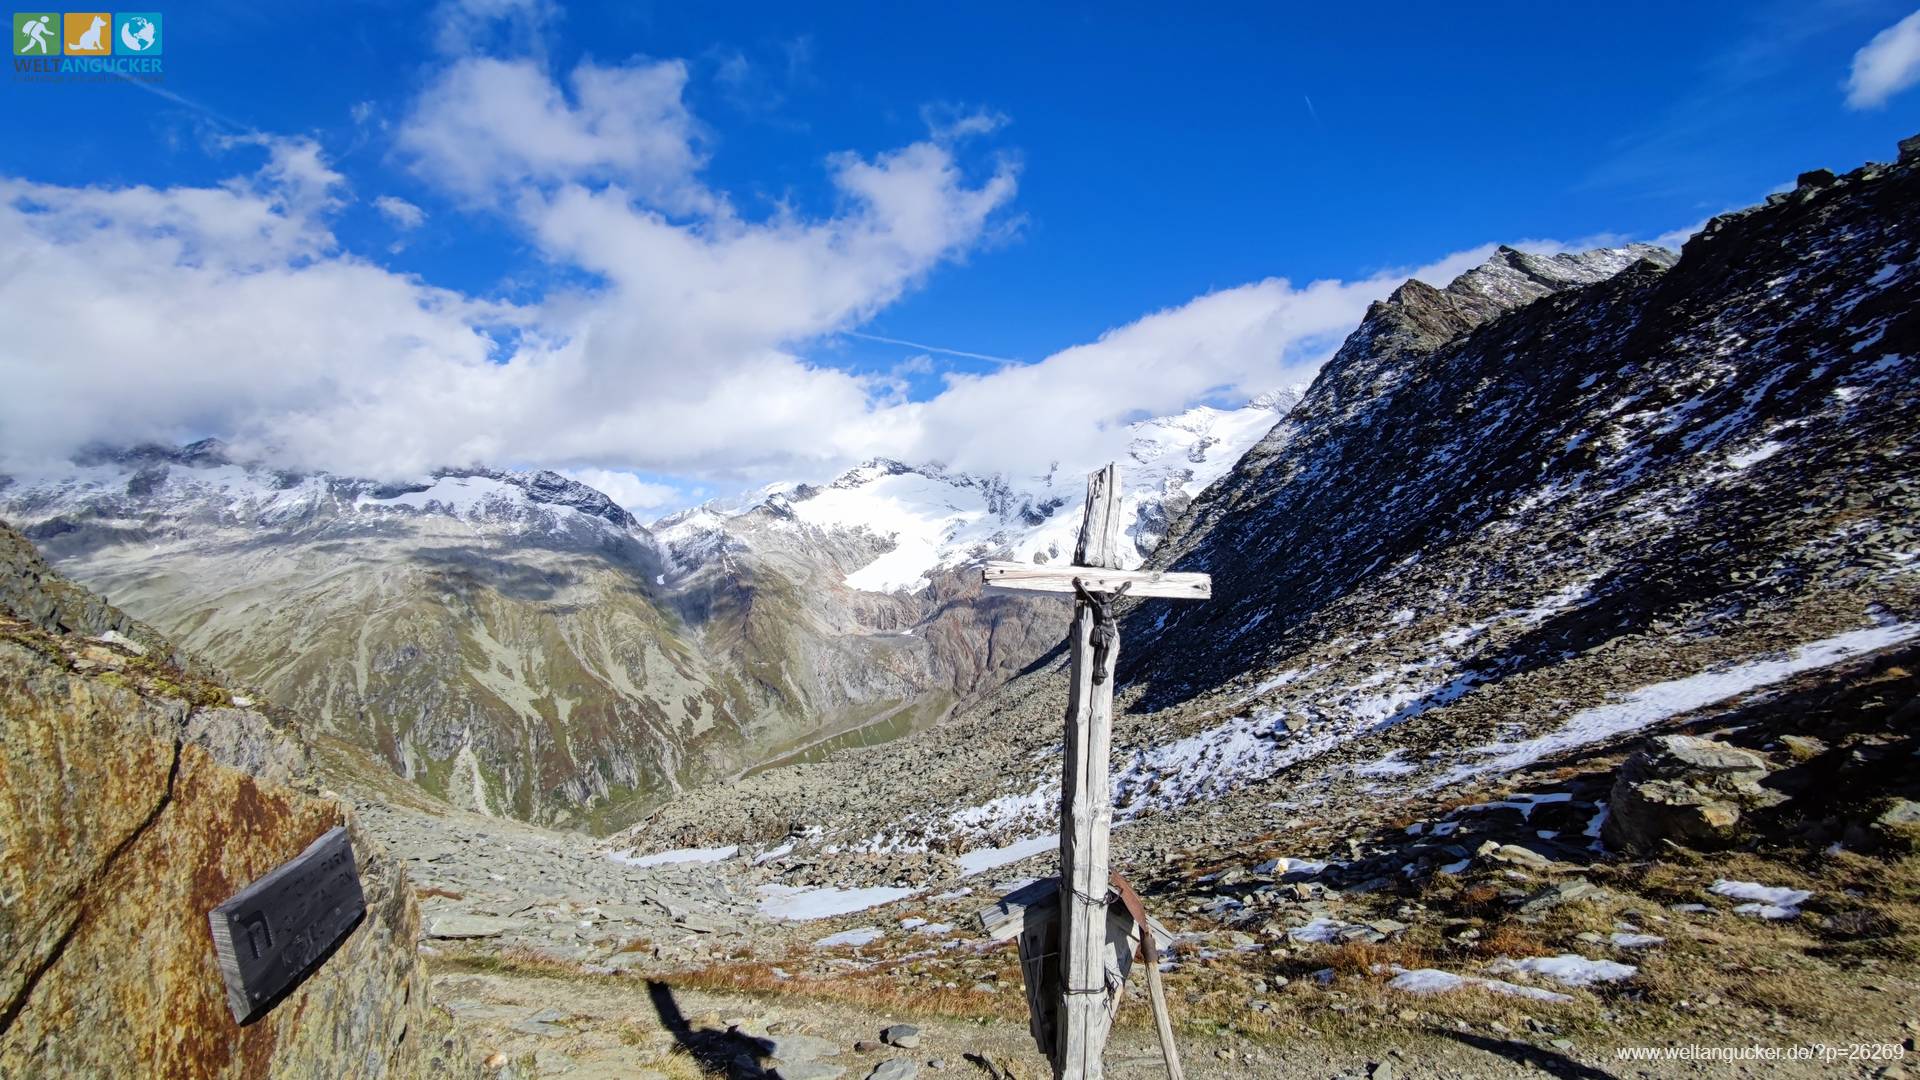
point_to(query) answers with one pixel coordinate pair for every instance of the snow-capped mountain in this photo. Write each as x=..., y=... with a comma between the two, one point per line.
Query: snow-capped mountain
x=921, y=519
x=204, y=479
x=518, y=643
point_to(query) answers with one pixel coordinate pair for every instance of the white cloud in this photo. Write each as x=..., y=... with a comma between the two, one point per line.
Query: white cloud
x=489, y=128
x=464, y=27
x=948, y=122
x=1886, y=65
x=173, y=313
x=1074, y=406
x=637, y=495
x=405, y=216
x=178, y=312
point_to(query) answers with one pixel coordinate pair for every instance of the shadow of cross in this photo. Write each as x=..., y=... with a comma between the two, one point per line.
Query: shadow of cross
x=1086, y=1002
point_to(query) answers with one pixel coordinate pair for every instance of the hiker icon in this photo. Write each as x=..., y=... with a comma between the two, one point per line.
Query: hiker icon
x=90, y=42
x=35, y=31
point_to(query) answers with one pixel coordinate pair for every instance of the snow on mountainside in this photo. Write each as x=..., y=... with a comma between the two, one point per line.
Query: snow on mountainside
x=201, y=481
x=927, y=518
x=1513, y=521
x=517, y=642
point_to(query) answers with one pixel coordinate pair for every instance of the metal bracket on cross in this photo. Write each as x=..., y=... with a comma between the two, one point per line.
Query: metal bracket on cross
x=1073, y=1012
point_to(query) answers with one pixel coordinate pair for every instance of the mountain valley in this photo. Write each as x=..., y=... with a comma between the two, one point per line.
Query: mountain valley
x=1556, y=699
x=520, y=645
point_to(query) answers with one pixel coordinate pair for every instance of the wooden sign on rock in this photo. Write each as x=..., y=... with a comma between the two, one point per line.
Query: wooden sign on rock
x=269, y=935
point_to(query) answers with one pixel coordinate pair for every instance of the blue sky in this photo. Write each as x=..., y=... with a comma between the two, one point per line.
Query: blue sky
x=1084, y=168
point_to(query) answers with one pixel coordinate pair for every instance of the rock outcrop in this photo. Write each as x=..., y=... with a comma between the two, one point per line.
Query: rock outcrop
x=1686, y=790
x=134, y=797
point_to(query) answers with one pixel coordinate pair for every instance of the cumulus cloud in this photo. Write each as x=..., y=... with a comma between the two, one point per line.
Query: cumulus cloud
x=1074, y=407
x=405, y=216
x=172, y=313
x=637, y=495
x=1885, y=65
x=232, y=309
x=487, y=128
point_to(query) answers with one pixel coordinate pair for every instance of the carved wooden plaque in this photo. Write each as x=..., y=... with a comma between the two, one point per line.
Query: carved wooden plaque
x=272, y=933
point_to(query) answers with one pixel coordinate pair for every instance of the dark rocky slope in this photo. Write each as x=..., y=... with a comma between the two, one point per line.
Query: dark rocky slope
x=1686, y=444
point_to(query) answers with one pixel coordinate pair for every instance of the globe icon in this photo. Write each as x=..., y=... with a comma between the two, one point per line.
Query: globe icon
x=137, y=34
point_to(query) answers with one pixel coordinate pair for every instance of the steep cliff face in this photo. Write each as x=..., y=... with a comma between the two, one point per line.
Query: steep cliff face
x=135, y=795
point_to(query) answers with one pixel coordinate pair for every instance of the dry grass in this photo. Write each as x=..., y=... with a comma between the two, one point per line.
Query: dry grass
x=1367, y=958
x=424, y=892
x=1511, y=939
x=1480, y=900
x=674, y=1063
x=881, y=989
x=516, y=961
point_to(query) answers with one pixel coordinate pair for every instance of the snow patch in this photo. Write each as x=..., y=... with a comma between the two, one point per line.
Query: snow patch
x=864, y=935
x=1435, y=981
x=984, y=859
x=802, y=904
x=1768, y=901
x=1389, y=764
x=1652, y=704
x=1568, y=969
x=679, y=855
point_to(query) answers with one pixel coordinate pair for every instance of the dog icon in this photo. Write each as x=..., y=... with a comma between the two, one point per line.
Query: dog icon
x=90, y=41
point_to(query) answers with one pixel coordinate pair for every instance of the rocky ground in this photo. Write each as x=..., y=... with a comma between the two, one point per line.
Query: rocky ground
x=1491, y=933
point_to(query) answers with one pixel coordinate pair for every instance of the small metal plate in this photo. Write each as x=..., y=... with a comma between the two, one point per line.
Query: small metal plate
x=271, y=934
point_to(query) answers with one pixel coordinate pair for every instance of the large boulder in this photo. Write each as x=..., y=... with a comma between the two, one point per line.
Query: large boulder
x=134, y=798
x=1897, y=826
x=1687, y=790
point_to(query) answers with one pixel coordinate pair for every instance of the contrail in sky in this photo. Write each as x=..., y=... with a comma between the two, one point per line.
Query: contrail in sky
x=932, y=348
x=183, y=100
x=1311, y=111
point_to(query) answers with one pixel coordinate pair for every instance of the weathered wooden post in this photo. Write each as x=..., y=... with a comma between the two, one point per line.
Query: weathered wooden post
x=1087, y=997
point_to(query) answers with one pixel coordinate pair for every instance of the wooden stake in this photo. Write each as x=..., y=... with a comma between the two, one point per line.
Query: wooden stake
x=1086, y=813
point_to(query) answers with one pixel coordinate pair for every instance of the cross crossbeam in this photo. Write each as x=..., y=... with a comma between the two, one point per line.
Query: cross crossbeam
x=1028, y=577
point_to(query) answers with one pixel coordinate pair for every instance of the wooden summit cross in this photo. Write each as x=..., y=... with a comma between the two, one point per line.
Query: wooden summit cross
x=1071, y=1016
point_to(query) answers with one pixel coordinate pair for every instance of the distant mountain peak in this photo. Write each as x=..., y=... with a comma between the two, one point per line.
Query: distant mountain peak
x=892, y=524
x=204, y=478
x=1281, y=399
x=553, y=489
x=1512, y=278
